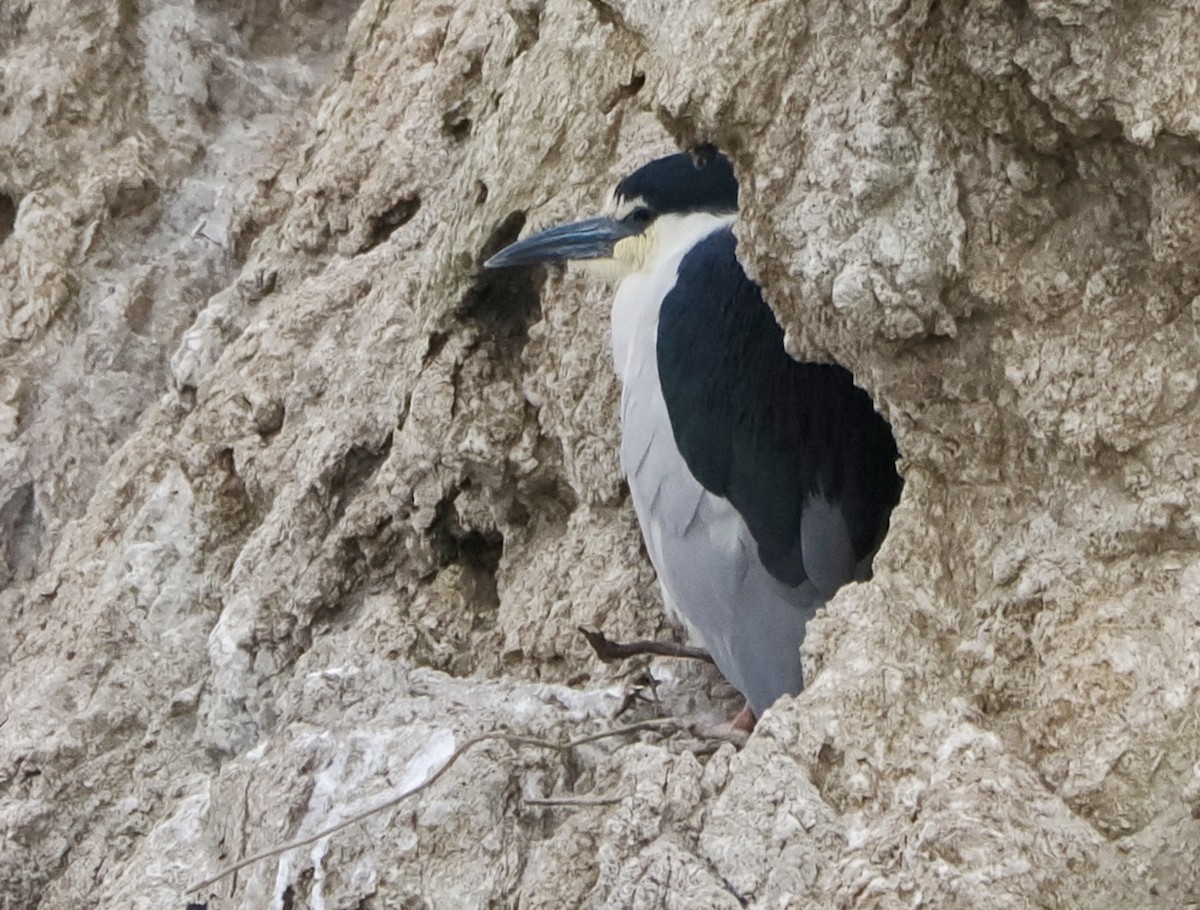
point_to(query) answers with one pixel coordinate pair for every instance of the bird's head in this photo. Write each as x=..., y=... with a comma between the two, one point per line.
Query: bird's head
x=651, y=208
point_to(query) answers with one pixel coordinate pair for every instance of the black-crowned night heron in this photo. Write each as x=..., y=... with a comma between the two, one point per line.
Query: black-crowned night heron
x=762, y=485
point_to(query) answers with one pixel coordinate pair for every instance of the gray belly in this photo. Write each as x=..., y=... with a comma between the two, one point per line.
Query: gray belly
x=706, y=559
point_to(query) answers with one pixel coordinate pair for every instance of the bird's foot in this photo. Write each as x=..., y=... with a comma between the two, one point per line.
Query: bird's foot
x=736, y=731
x=608, y=650
x=745, y=720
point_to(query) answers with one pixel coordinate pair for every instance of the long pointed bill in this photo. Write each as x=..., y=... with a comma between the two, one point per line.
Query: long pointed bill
x=591, y=239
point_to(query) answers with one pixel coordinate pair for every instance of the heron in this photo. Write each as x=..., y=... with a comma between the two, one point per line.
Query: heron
x=762, y=484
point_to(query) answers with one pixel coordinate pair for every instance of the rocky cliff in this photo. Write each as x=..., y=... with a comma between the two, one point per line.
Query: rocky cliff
x=293, y=501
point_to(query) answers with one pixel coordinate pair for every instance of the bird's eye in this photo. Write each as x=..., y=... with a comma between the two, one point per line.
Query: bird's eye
x=640, y=216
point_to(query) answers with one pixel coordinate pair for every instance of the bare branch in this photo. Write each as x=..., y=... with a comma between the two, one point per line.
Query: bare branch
x=608, y=650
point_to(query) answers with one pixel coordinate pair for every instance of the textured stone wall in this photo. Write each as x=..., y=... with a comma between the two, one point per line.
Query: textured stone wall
x=293, y=501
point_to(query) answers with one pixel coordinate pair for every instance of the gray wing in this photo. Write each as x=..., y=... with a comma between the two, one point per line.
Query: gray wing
x=707, y=559
x=797, y=448
x=828, y=553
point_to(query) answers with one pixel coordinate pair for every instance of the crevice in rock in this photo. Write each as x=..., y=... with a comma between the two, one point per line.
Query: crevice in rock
x=369, y=551
x=403, y=415
x=608, y=15
x=139, y=313
x=464, y=564
x=21, y=535
x=130, y=199
x=545, y=495
x=624, y=91
x=505, y=233
x=504, y=303
x=456, y=124
x=476, y=549
x=437, y=341
x=8, y=216
x=825, y=770
x=389, y=221
x=504, y=307
x=529, y=28
x=354, y=470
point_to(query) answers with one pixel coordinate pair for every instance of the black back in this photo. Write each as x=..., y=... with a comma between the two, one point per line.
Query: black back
x=684, y=183
x=756, y=426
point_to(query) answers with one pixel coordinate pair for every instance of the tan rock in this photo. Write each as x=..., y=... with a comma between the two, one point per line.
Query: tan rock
x=293, y=501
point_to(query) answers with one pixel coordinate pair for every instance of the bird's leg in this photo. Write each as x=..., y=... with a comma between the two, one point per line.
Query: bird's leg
x=736, y=731
x=745, y=720
x=608, y=650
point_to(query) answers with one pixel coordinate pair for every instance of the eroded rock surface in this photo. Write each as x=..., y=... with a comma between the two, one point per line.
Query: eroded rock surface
x=293, y=501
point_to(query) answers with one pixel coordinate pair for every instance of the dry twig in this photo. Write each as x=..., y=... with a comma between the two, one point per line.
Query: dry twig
x=512, y=739
x=573, y=801
x=608, y=650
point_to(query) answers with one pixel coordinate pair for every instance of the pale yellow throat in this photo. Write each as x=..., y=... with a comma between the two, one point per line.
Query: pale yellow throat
x=665, y=236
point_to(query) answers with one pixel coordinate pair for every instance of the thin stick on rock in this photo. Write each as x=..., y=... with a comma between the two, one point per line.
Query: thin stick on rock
x=512, y=739
x=573, y=801
x=608, y=650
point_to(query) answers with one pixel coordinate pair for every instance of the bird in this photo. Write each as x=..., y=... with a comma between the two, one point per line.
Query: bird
x=762, y=484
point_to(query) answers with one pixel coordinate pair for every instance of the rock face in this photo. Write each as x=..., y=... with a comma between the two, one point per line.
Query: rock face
x=293, y=501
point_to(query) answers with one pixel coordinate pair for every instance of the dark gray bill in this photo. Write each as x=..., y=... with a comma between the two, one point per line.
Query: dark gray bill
x=591, y=239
